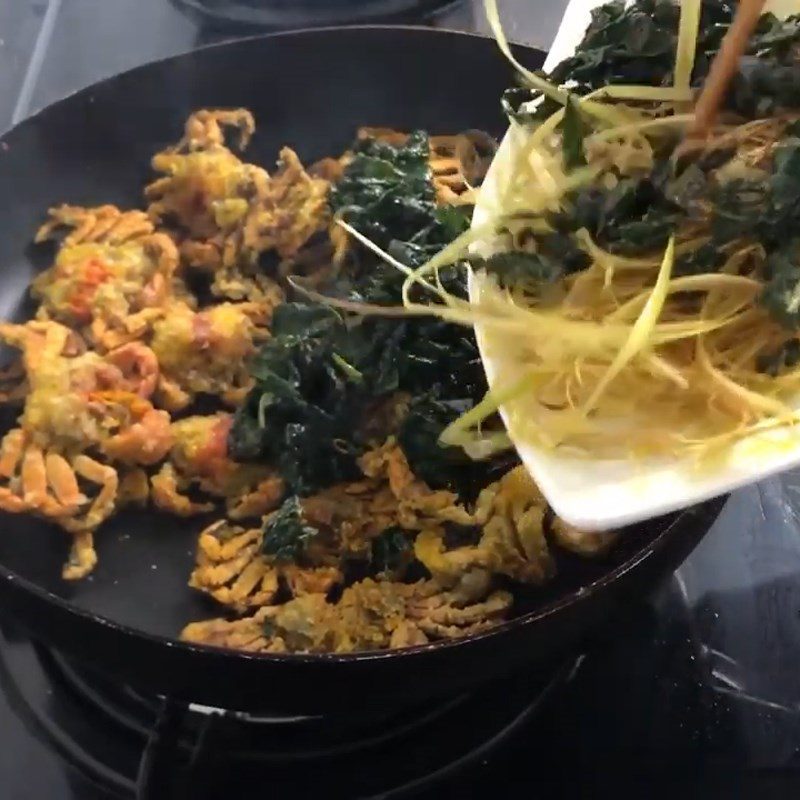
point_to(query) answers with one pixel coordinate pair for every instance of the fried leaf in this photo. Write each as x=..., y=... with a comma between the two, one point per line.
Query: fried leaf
x=443, y=467
x=707, y=258
x=633, y=217
x=386, y=192
x=312, y=376
x=320, y=372
x=781, y=294
x=635, y=43
x=390, y=552
x=286, y=533
x=787, y=356
x=517, y=268
x=555, y=255
x=573, y=131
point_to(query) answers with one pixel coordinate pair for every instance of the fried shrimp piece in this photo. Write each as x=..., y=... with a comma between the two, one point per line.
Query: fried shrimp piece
x=370, y=615
x=139, y=433
x=583, y=543
x=242, y=634
x=79, y=400
x=262, y=294
x=112, y=275
x=13, y=386
x=134, y=488
x=206, y=128
x=82, y=557
x=468, y=607
x=205, y=352
x=232, y=569
x=460, y=600
x=389, y=496
x=510, y=514
x=199, y=458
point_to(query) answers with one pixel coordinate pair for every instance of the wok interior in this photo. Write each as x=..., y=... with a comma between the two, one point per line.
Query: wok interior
x=311, y=92
x=145, y=557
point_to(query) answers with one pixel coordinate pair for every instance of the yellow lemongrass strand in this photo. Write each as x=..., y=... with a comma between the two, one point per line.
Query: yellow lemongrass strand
x=483, y=445
x=652, y=94
x=589, y=336
x=612, y=115
x=380, y=252
x=535, y=81
x=553, y=185
x=741, y=431
x=544, y=176
x=669, y=332
x=688, y=28
x=460, y=313
x=642, y=330
x=490, y=403
x=740, y=395
x=549, y=126
x=448, y=255
x=689, y=283
x=661, y=366
x=632, y=263
x=676, y=120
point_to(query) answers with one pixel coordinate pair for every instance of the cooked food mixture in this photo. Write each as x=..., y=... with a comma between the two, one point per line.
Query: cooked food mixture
x=641, y=278
x=181, y=357
x=292, y=350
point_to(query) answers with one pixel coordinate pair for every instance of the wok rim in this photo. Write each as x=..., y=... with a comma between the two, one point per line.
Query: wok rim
x=674, y=525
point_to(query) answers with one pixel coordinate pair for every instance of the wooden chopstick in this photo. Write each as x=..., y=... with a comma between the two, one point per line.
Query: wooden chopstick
x=724, y=65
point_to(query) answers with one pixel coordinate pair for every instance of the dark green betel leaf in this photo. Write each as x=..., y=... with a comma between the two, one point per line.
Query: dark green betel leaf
x=321, y=372
x=286, y=534
x=390, y=552
x=573, y=131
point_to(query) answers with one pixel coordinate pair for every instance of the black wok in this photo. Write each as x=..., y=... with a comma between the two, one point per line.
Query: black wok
x=310, y=90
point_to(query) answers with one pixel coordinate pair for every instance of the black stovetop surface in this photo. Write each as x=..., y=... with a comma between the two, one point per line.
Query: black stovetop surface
x=697, y=691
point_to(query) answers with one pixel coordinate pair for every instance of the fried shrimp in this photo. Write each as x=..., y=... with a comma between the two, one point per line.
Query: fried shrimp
x=232, y=569
x=370, y=615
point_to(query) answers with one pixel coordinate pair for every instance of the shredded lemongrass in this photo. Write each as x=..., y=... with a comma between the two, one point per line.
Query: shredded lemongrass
x=535, y=81
x=649, y=94
x=688, y=28
x=642, y=330
x=676, y=120
x=620, y=358
x=457, y=432
x=690, y=283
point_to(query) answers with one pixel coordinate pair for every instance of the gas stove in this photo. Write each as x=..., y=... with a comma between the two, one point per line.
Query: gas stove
x=695, y=690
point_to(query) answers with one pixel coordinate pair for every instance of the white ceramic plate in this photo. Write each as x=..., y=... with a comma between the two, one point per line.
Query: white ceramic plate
x=604, y=494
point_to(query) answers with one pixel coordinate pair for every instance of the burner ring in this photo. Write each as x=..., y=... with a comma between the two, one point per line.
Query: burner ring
x=281, y=14
x=132, y=744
